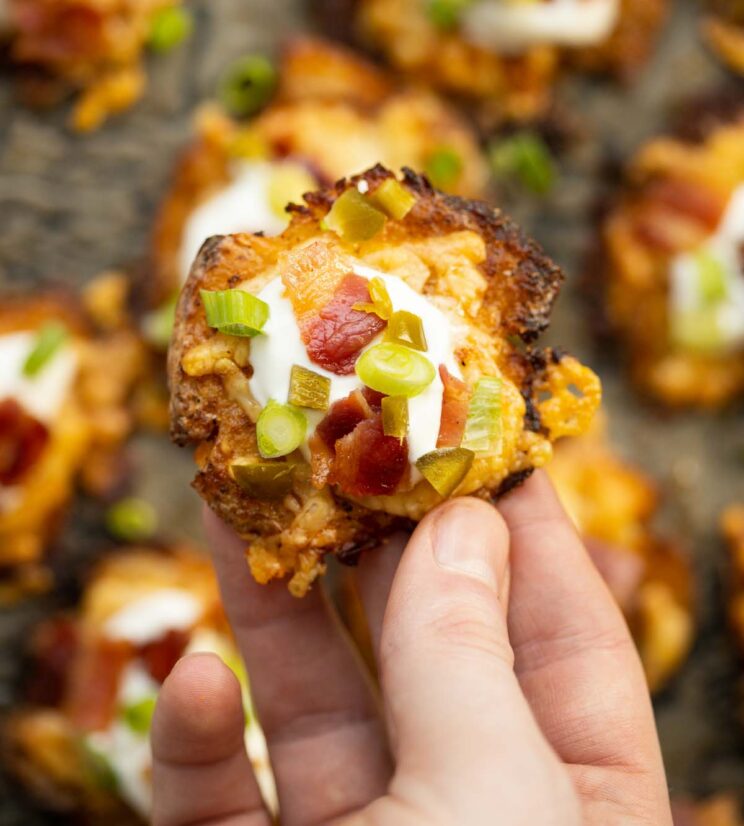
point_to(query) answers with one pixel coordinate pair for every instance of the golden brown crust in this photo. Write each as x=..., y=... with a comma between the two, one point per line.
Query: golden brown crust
x=471, y=256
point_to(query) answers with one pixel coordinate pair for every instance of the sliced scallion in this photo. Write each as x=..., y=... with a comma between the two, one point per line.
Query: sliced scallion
x=48, y=341
x=235, y=312
x=308, y=388
x=157, y=326
x=353, y=218
x=524, y=156
x=444, y=167
x=280, y=430
x=407, y=329
x=131, y=519
x=395, y=416
x=698, y=331
x=393, y=199
x=395, y=370
x=712, y=281
x=445, y=14
x=248, y=85
x=169, y=27
x=263, y=480
x=483, y=426
x=138, y=716
x=444, y=469
x=381, y=304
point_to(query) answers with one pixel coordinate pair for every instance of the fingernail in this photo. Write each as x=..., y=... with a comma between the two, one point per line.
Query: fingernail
x=467, y=539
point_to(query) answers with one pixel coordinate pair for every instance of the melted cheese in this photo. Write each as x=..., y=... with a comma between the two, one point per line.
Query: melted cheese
x=150, y=617
x=241, y=206
x=43, y=394
x=514, y=26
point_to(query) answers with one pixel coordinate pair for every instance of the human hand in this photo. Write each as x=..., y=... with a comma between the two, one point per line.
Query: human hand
x=511, y=689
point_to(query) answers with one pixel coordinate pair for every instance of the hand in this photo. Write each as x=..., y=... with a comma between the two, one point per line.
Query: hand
x=511, y=689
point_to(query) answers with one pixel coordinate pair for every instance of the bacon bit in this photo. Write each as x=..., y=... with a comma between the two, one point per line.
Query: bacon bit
x=690, y=199
x=53, y=34
x=369, y=463
x=335, y=337
x=94, y=684
x=373, y=398
x=160, y=656
x=454, y=409
x=54, y=649
x=22, y=440
x=342, y=417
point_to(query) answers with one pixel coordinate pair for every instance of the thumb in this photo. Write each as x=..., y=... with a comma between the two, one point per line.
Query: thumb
x=460, y=721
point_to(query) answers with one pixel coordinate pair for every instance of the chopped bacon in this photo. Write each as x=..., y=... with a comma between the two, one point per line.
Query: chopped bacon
x=454, y=409
x=369, y=463
x=335, y=337
x=22, y=440
x=373, y=398
x=343, y=416
x=160, y=656
x=94, y=683
x=691, y=199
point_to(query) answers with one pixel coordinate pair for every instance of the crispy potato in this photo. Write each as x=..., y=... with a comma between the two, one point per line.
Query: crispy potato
x=613, y=504
x=494, y=286
x=334, y=114
x=674, y=196
x=83, y=440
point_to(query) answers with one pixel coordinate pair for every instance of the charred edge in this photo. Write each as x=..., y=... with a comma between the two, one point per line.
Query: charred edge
x=350, y=553
x=514, y=480
x=532, y=419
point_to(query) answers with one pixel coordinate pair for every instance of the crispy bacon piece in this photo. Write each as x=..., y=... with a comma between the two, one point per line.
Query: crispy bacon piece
x=335, y=337
x=22, y=440
x=160, y=656
x=454, y=409
x=343, y=416
x=369, y=463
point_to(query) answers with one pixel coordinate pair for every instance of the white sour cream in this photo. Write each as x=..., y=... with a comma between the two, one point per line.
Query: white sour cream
x=43, y=394
x=725, y=246
x=241, y=206
x=511, y=27
x=281, y=346
x=149, y=618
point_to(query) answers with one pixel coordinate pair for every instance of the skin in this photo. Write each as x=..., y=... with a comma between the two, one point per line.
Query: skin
x=511, y=689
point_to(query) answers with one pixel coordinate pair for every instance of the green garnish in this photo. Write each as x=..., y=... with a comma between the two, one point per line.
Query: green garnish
x=445, y=469
x=169, y=27
x=97, y=766
x=131, y=519
x=353, y=217
x=445, y=14
x=248, y=85
x=407, y=329
x=288, y=183
x=697, y=331
x=157, y=326
x=393, y=199
x=48, y=341
x=138, y=716
x=381, y=304
x=280, y=429
x=395, y=370
x=235, y=312
x=395, y=416
x=308, y=388
x=526, y=157
x=444, y=167
x=263, y=480
x=483, y=426
x=712, y=282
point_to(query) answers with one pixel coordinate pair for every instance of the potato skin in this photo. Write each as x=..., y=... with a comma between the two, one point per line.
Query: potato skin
x=519, y=287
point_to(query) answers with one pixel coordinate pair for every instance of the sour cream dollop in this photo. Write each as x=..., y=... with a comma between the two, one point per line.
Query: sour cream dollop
x=281, y=346
x=150, y=617
x=511, y=27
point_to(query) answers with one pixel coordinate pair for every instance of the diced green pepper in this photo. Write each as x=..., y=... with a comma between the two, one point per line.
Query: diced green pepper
x=169, y=27
x=138, y=716
x=526, y=157
x=353, y=218
x=444, y=167
x=248, y=85
x=263, y=480
x=407, y=329
x=380, y=305
x=280, y=430
x=395, y=370
x=48, y=341
x=235, y=312
x=444, y=469
x=308, y=388
x=393, y=199
x=483, y=426
x=395, y=416
x=132, y=520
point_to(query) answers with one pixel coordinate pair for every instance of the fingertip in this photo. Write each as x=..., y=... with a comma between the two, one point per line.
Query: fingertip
x=221, y=538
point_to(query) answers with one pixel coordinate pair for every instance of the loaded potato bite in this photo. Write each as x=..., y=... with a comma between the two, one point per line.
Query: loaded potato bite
x=91, y=48
x=672, y=270
x=613, y=505
x=80, y=741
x=63, y=418
x=377, y=357
x=329, y=114
x=506, y=55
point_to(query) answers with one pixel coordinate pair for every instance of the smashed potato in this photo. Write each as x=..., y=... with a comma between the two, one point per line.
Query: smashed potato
x=483, y=404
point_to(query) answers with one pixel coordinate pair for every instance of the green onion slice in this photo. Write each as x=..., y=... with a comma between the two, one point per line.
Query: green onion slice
x=444, y=167
x=445, y=14
x=48, y=341
x=483, y=426
x=248, y=85
x=445, y=469
x=407, y=329
x=280, y=429
x=157, y=326
x=263, y=480
x=712, y=281
x=395, y=416
x=235, y=312
x=287, y=184
x=138, y=716
x=526, y=157
x=169, y=27
x=393, y=199
x=353, y=218
x=131, y=519
x=395, y=370
x=308, y=388
x=381, y=304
